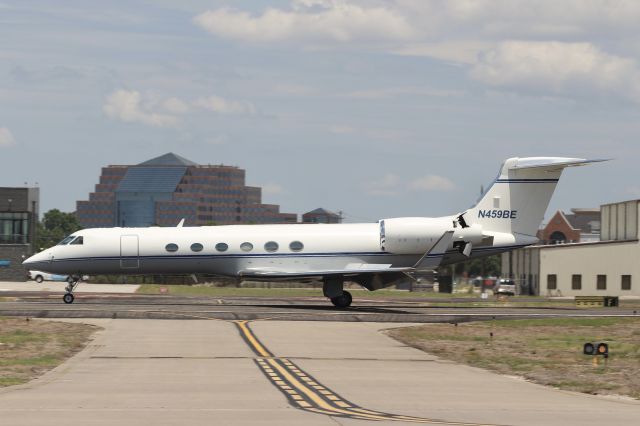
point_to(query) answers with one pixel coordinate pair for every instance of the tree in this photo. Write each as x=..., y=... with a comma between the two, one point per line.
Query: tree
x=483, y=266
x=54, y=226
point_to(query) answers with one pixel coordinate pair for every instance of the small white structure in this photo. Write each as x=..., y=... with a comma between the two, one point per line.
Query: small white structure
x=609, y=267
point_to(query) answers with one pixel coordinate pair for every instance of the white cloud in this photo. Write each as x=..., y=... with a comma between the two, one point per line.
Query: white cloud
x=391, y=184
x=575, y=69
x=394, y=92
x=220, y=105
x=127, y=106
x=432, y=183
x=273, y=189
x=457, y=51
x=132, y=107
x=424, y=21
x=340, y=129
x=175, y=106
x=6, y=138
x=336, y=20
x=517, y=45
x=388, y=184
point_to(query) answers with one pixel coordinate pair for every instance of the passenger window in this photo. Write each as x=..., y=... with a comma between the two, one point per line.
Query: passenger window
x=246, y=246
x=78, y=241
x=222, y=247
x=171, y=247
x=271, y=246
x=296, y=246
x=196, y=247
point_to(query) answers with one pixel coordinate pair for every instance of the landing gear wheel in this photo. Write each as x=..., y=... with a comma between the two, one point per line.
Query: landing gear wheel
x=342, y=301
x=68, y=298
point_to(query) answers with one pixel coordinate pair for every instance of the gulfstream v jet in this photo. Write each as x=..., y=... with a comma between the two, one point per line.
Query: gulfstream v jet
x=374, y=255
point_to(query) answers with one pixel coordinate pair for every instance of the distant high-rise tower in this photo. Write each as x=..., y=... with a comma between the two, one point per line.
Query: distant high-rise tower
x=166, y=189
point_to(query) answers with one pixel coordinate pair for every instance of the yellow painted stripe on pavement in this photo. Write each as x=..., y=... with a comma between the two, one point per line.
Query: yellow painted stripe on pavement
x=314, y=397
x=252, y=339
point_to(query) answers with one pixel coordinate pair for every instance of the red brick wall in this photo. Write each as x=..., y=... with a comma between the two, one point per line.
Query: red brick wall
x=558, y=223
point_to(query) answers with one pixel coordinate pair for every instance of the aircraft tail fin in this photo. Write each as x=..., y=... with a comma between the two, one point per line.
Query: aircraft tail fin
x=518, y=199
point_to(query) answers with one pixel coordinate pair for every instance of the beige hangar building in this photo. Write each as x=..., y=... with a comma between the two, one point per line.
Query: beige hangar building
x=609, y=266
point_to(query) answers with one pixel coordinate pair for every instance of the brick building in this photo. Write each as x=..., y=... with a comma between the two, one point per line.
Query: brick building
x=166, y=189
x=582, y=225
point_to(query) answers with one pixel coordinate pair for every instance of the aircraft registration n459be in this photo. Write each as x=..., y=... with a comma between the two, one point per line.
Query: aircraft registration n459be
x=374, y=255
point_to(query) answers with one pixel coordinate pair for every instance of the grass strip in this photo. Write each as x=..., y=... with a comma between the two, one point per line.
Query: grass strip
x=30, y=348
x=545, y=351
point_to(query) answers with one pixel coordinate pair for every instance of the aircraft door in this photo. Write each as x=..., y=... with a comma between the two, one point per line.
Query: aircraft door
x=129, y=252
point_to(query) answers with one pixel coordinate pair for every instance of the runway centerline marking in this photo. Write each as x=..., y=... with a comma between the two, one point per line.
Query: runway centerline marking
x=305, y=392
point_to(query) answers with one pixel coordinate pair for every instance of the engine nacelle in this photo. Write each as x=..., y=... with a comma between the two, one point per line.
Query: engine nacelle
x=470, y=234
x=411, y=235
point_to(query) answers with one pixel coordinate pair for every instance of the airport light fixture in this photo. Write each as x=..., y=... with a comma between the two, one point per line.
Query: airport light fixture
x=596, y=349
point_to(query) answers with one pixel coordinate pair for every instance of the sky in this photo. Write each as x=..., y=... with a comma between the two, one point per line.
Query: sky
x=377, y=108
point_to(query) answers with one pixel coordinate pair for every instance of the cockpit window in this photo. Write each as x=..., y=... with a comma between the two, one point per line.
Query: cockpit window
x=78, y=241
x=67, y=240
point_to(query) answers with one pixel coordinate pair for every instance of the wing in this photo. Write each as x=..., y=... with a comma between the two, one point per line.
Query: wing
x=429, y=261
x=352, y=269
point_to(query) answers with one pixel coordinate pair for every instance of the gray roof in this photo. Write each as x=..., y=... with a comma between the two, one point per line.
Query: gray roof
x=321, y=211
x=584, y=220
x=169, y=159
x=151, y=179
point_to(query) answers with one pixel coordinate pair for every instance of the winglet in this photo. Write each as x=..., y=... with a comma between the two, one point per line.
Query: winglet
x=181, y=224
x=433, y=257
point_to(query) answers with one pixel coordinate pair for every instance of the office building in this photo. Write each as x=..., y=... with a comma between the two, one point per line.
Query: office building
x=18, y=217
x=169, y=188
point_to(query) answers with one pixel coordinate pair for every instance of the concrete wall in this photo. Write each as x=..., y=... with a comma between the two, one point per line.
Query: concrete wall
x=620, y=221
x=523, y=266
x=13, y=253
x=612, y=259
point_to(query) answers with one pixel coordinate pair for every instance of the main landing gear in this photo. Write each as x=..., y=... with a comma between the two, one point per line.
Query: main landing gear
x=333, y=289
x=342, y=301
x=73, y=283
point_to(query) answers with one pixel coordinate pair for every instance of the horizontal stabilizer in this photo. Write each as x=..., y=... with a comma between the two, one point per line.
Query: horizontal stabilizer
x=552, y=162
x=433, y=258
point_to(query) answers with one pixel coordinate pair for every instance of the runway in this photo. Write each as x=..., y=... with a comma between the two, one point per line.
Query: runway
x=204, y=372
x=137, y=306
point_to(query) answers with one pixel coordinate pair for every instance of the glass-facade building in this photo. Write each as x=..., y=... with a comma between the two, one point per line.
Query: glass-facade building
x=19, y=209
x=169, y=188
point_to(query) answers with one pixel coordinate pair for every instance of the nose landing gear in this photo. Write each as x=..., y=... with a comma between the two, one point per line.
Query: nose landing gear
x=73, y=283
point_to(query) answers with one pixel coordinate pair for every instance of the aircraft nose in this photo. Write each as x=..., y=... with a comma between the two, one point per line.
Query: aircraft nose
x=36, y=261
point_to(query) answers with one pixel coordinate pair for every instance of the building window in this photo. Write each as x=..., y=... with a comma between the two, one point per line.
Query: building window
x=602, y=282
x=171, y=247
x=246, y=246
x=626, y=282
x=196, y=247
x=296, y=246
x=576, y=282
x=552, y=282
x=222, y=247
x=271, y=246
x=557, y=237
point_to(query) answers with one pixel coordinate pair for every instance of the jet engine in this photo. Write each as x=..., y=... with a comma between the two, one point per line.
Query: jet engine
x=411, y=235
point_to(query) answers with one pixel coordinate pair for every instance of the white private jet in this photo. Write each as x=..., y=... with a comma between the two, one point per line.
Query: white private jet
x=374, y=255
